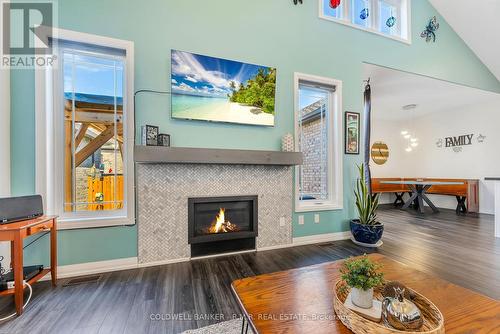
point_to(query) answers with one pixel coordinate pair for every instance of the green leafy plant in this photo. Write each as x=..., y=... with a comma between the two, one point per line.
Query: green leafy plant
x=362, y=273
x=366, y=203
x=259, y=91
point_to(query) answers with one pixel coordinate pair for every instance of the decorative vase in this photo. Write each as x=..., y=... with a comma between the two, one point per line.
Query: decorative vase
x=367, y=234
x=287, y=143
x=362, y=298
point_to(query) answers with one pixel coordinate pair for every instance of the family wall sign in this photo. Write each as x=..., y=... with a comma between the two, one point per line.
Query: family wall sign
x=458, y=142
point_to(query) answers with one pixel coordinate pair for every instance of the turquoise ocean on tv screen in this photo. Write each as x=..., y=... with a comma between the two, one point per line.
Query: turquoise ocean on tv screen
x=187, y=102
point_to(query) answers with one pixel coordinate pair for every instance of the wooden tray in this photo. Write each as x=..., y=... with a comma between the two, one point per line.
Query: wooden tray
x=433, y=319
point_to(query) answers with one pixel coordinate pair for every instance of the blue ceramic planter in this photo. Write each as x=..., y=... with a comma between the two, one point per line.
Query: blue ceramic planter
x=368, y=234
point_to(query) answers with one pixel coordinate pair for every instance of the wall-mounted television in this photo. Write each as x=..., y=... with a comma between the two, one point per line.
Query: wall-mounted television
x=212, y=89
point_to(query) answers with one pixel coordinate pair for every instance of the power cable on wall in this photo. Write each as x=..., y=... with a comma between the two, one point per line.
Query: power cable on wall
x=152, y=91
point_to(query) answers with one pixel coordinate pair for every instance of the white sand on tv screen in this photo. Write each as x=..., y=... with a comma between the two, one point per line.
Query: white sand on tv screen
x=227, y=112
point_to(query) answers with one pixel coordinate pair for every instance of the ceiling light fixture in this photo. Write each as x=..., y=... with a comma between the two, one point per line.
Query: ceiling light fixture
x=409, y=135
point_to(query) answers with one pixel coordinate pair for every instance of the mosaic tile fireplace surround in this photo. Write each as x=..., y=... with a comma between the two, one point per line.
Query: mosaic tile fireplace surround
x=164, y=191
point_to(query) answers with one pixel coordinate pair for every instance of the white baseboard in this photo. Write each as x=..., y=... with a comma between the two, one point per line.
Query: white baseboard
x=320, y=238
x=163, y=262
x=90, y=268
x=311, y=239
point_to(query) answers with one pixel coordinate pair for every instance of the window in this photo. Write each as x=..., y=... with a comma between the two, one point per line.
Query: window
x=87, y=177
x=337, y=13
x=318, y=125
x=361, y=13
x=390, y=18
x=93, y=130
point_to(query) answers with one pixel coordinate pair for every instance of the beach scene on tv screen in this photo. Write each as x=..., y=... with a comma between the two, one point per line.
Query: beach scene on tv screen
x=220, y=90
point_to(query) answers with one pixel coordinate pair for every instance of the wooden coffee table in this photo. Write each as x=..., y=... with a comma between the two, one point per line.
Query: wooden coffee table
x=301, y=300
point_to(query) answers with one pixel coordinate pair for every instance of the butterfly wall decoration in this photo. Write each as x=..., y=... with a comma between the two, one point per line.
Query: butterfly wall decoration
x=297, y=1
x=430, y=30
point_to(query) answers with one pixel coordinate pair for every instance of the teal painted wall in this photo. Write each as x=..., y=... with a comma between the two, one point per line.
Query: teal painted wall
x=84, y=245
x=274, y=33
x=22, y=132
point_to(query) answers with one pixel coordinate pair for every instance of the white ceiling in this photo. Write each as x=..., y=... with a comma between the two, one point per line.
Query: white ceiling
x=392, y=89
x=478, y=24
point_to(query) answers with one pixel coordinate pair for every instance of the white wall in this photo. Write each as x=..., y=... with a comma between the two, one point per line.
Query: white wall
x=475, y=161
x=389, y=132
x=397, y=164
x=5, y=149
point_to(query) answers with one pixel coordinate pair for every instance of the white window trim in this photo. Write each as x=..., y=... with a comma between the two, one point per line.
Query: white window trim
x=335, y=147
x=405, y=27
x=48, y=184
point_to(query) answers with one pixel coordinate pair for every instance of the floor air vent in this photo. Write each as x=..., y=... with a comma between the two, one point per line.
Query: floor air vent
x=83, y=280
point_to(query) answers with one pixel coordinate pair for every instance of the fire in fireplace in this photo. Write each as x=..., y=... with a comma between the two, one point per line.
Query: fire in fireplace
x=222, y=224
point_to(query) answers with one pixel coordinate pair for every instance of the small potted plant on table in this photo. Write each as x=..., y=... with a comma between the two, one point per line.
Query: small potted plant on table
x=362, y=275
x=366, y=230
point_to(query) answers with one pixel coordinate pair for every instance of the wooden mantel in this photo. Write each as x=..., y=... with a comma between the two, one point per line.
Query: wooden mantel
x=178, y=155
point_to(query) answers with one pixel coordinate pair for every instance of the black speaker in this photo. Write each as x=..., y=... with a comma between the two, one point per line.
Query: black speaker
x=13, y=209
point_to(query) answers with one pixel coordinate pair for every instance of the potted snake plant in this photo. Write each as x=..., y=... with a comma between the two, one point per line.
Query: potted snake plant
x=366, y=229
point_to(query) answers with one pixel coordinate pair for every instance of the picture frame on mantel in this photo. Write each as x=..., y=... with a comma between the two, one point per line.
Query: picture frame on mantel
x=164, y=140
x=149, y=135
x=351, y=130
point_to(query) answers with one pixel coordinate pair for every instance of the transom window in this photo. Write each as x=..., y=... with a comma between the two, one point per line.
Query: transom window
x=390, y=18
x=318, y=132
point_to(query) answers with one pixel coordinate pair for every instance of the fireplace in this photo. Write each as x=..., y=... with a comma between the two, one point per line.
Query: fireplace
x=222, y=224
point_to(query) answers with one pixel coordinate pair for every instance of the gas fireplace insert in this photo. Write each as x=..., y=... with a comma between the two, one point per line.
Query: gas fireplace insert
x=222, y=224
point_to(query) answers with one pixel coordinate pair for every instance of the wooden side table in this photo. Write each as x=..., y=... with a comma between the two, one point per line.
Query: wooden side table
x=16, y=233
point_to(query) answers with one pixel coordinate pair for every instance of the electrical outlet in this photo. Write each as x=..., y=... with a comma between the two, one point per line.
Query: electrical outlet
x=282, y=221
x=301, y=220
x=11, y=285
x=316, y=218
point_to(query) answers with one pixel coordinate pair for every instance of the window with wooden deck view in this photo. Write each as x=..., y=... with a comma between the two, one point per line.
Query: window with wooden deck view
x=90, y=86
x=93, y=131
x=85, y=131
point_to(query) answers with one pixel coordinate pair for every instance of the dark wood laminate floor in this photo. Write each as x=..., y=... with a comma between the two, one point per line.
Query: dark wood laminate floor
x=190, y=295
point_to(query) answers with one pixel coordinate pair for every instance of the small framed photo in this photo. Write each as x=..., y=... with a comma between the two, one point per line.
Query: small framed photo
x=149, y=135
x=352, y=123
x=164, y=140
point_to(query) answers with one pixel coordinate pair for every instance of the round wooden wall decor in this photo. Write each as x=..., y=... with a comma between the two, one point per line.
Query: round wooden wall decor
x=380, y=153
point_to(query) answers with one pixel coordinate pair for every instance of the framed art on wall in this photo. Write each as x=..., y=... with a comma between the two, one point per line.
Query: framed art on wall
x=351, y=132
